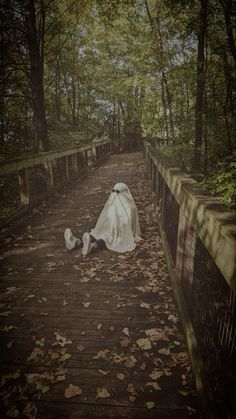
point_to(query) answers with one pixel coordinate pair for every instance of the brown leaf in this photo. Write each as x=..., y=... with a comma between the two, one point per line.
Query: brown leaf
x=101, y=354
x=104, y=372
x=80, y=348
x=102, y=392
x=120, y=376
x=125, y=342
x=126, y=331
x=72, y=391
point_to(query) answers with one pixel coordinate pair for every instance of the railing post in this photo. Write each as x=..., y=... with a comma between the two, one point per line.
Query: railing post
x=185, y=252
x=97, y=154
x=24, y=187
x=67, y=168
x=48, y=166
x=75, y=161
x=85, y=156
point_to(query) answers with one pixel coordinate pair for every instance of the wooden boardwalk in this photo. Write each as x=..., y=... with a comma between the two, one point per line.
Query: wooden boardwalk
x=94, y=337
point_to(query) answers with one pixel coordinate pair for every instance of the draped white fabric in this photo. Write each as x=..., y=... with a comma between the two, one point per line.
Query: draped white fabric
x=118, y=224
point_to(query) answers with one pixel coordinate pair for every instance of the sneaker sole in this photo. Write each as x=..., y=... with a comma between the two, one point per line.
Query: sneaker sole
x=86, y=242
x=67, y=235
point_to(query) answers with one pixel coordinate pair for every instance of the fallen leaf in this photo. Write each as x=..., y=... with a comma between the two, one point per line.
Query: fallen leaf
x=84, y=280
x=101, y=354
x=125, y=342
x=36, y=354
x=102, y=392
x=144, y=343
x=143, y=366
x=86, y=305
x=9, y=344
x=99, y=326
x=30, y=410
x=40, y=342
x=64, y=357
x=104, y=372
x=164, y=351
x=61, y=340
x=126, y=331
x=150, y=405
x=184, y=392
x=80, y=348
x=29, y=297
x=173, y=318
x=130, y=361
x=156, y=374
x=154, y=385
x=144, y=305
x=120, y=376
x=72, y=391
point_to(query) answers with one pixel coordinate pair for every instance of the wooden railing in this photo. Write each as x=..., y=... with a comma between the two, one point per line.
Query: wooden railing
x=35, y=177
x=199, y=237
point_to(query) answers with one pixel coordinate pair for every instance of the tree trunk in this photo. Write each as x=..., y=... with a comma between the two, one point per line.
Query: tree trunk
x=228, y=12
x=200, y=87
x=36, y=75
x=166, y=96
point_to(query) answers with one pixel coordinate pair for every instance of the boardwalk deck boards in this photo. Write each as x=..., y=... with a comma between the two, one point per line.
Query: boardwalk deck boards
x=107, y=323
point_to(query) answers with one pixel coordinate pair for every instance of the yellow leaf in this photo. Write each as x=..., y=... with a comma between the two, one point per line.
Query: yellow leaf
x=150, y=405
x=144, y=343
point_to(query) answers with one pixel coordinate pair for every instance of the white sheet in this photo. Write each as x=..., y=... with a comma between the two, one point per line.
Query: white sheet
x=118, y=224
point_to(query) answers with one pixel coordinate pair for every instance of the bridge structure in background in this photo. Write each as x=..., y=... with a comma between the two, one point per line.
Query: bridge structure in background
x=199, y=240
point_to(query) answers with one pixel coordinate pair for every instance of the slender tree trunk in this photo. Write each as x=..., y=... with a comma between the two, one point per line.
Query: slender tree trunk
x=166, y=96
x=36, y=75
x=169, y=104
x=228, y=12
x=73, y=102
x=205, y=166
x=200, y=87
x=164, y=105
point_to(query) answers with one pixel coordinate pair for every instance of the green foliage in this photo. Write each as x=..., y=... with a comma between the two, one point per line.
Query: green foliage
x=223, y=182
x=111, y=70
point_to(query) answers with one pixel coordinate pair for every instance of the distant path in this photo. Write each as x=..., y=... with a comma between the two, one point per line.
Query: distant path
x=108, y=323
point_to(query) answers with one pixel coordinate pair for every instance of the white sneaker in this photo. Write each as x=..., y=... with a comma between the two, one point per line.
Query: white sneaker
x=70, y=240
x=86, y=239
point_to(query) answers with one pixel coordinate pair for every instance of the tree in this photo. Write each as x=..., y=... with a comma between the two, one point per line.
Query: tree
x=200, y=85
x=36, y=72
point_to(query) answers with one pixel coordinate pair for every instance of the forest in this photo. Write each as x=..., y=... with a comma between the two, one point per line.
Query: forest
x=76, y=71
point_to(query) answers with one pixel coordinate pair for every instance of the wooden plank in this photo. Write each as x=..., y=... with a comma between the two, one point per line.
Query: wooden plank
x=44, y=296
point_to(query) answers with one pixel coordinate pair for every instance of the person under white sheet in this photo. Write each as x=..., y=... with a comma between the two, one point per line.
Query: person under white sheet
x=117, y=227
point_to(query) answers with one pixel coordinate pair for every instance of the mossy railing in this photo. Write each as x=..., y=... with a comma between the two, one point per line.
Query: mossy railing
x=199, y=237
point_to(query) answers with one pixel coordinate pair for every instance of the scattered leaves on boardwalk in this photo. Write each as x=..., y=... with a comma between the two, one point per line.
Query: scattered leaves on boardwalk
x=98, y=336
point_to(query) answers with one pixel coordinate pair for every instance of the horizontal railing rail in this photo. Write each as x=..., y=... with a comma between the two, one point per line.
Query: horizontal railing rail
x=199, y=237
x=26, y=181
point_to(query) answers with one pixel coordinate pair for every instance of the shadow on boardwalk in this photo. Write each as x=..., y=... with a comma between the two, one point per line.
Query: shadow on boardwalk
x=103, y=328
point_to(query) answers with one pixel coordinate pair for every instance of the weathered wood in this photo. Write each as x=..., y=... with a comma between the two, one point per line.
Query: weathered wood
x=14, y=165
x=24, y=187
x=46, y=289
x=67, y=164
x=212, y=221
x=48, y=166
